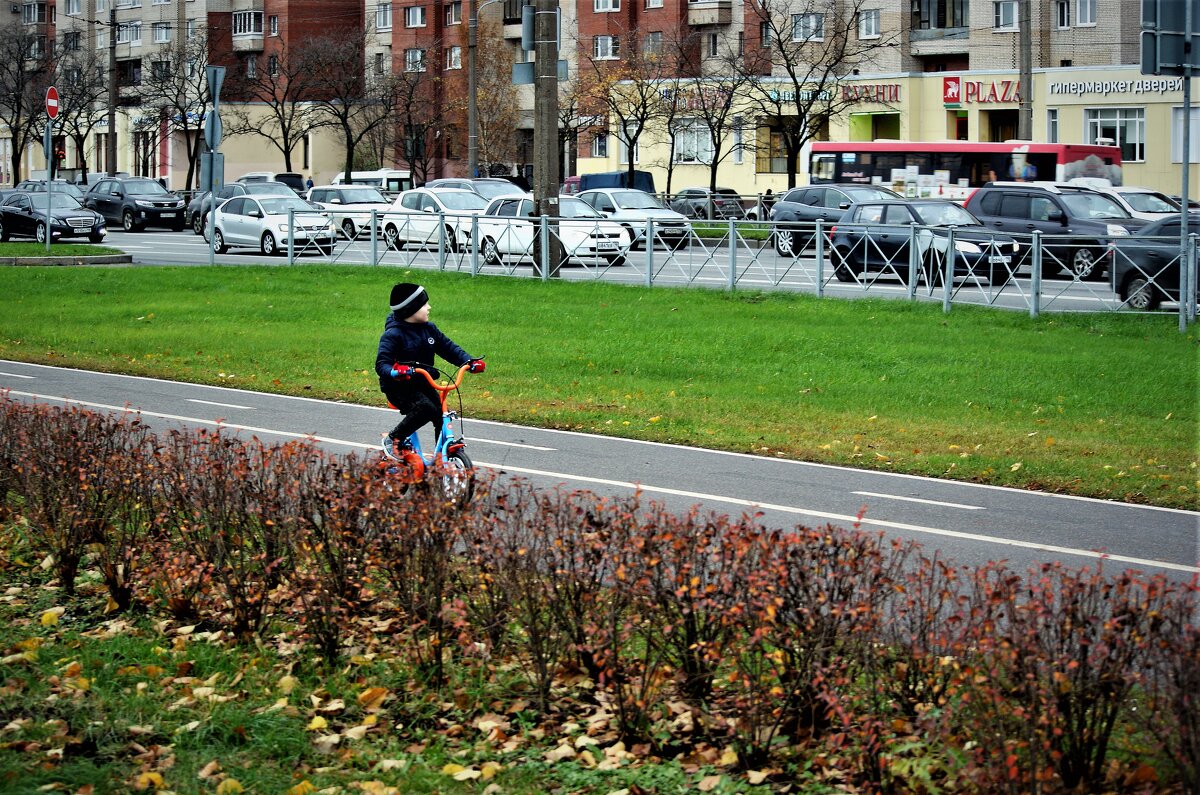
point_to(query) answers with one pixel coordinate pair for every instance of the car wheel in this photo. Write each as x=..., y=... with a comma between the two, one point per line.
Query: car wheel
x=1084, y=265
x=179, y=227
x=128, y=222
x=1139, y=294
x=198, y=223
x=451, y=241
x=96, y=238
x=348, y=229
x=491, y=252
x=676, y=245
x=219, y=242
x=785, y=243
x=617, y=261
x=391, y=236
x=3, y=233
x=841, y=269
x=269, y=247
x=41, y=232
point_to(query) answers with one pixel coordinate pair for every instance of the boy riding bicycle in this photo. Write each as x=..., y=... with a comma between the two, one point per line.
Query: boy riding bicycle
x=409, y=340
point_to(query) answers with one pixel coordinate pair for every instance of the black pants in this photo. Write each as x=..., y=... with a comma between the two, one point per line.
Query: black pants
x=420, y=406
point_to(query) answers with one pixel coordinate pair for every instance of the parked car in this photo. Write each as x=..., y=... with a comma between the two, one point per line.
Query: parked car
x=350, y=206
x=1145, y=265
x=875, y=235
x=487, y=187
x=60, y=186
x=632, y=208
x=290, y=178
x=201, y=203
x=262, y=222
x=136, y=202
x=694, y=203
x=797, y=211
x=414, y=218
x=1081, y=221
x=24, y=214
x=508, y=227
x=1145, y=203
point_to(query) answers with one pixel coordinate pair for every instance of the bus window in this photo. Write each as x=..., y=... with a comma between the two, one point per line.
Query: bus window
x=823, y=167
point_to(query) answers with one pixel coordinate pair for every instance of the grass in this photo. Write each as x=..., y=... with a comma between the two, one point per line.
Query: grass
x=1103, y=405
x=35, y=249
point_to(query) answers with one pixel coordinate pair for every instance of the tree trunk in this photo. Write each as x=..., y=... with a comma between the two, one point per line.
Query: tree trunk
x=793, y=161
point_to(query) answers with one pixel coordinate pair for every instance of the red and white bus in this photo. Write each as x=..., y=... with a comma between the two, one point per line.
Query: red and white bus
x=953, y=169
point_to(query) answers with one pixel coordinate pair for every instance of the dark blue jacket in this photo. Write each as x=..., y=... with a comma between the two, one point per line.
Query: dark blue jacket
x=413, y=343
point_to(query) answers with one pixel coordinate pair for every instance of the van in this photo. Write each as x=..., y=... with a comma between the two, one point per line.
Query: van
x=388, y=180
x=290, y=178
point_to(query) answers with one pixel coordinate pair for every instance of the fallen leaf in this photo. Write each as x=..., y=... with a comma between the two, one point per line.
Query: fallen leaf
x=756, y=776
x=709, y=783
x=287, y=684
x=209, y=770
x=372, y=698
x=357, y=733
x=305, y=787
x=488, y=770
x=452, y=769
x=230, y=786
x=728, y=758
x=148, y=780
x=469, y=774
x=317, y=723
x=560, y=753
x=50, y=617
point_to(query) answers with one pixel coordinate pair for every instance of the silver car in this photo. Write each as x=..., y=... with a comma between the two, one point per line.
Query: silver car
x=350, y=206
x=633, y=208
x=262, y=222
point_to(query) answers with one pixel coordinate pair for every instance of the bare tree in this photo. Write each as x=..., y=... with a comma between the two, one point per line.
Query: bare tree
x=174, y=95
x=421, y=118
x=808, y=46
x=281, y=86
x=571, y=121
x=82, y=96
x=25, y=74
x=498, y=108
x=346, y=97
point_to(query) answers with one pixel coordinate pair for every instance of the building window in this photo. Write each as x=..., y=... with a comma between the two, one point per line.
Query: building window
x=741, y=43
x=101, y=38
x=73, y=7
x=714, y=45
x=454, y=13
x=808, y=27
x=1085, y=12
x=247, y=23
x=693, y=142
x=414, y=60
x=162, y=2
x=129, y=33
x=193, y=28
x=250, y=66
x=604, y=6
x=74, y=75
x=654, y=3
x=414, y=17
x=652, y=44
x=1052, y=126
x=383, y=16
x=868, y=24
x=71, y=41
x=600, y=145
x=605, y=47
x=161, y=70
x=624, y=154
x=101, y=5
x=1177, y=118
x=1005, y=15
x=273, y=66
x=37, y=47
x=1125, y=127
x=33, y=13
x=161, y=32
x=273, y=25
x=454, y=57
x=764, y=34
x=1062, y=14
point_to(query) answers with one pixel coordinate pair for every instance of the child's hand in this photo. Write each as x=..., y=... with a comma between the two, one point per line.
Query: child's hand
x=403, y=371
x=476, y=366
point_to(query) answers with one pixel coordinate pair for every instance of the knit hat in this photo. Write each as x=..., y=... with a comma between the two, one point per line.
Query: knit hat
x=407, y=299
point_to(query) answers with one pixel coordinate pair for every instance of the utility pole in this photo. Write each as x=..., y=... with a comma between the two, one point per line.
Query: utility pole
x=472, y=90
x=110, y=142
x=1025, y=113
x=545, y=125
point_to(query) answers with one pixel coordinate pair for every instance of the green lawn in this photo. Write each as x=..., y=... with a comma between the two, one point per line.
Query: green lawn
x=35, y=249
x=1099, y=405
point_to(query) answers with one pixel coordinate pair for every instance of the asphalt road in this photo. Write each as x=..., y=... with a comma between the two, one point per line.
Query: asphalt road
x=970, y=523
x=700, y=265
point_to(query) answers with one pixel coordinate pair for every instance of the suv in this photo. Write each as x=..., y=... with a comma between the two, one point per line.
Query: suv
x=350, y=206
x=487, y=187
x=695, y=202
x=632, y=208
x=201, y=203
x=1080, y=220
x=290, y=178
x=805, y=206
x=137, y=202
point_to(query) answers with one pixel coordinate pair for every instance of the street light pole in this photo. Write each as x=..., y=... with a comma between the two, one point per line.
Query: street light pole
x=472, y=87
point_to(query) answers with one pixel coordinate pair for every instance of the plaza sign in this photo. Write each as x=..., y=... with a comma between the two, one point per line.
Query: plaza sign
x=956, y=91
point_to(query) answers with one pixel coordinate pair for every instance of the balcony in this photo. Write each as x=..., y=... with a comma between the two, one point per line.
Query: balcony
x=710, y=12
x=939, y=41
x=248, y=42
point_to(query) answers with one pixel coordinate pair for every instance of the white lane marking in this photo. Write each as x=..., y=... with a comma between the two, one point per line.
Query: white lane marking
x=847, y=519
x=223, y=405
x=18, y=375
x=926, y=502
x=529, y=429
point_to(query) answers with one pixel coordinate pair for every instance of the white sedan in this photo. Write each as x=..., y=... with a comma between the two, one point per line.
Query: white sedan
x=350, y=206
x=421, y=216
x=262, y=222
x=508, y=226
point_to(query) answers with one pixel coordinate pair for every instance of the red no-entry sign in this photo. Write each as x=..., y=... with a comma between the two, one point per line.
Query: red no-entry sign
x=52, y=102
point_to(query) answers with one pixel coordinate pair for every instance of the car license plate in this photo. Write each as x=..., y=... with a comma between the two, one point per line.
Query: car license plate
x=168, y=215
x=606, y=245
x=999, y=260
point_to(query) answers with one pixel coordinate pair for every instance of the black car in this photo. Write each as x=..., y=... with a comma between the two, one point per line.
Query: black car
x=1079, y=222
x=24, y=215
x=60, y=186
x=201, y=203
x=797, y=211
x=695, y=203
x=874, y=236
x=136, y=202
x=1145, y=265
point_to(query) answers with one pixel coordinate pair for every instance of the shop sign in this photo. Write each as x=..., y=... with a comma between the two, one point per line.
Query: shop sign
x=805, y=96
x=877, y=92
x=956, y=91
x=1149, y=85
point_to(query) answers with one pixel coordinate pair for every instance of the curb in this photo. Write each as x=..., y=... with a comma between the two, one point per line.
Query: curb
x=98, y=259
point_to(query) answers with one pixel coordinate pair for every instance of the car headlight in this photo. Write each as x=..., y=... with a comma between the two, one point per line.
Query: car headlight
x=283, y=227
x=1117, y=229
x=141, y=203
x=966, y=246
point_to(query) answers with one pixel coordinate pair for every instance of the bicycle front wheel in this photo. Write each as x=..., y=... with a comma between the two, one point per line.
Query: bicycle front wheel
x=456, y=479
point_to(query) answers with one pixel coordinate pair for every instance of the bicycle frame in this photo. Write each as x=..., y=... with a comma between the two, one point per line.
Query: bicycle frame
x=445, y=440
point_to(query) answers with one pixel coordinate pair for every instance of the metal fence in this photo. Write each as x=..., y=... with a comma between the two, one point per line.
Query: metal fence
x=1034, y=273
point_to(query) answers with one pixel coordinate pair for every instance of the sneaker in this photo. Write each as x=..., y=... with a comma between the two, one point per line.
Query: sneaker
x=391, y=448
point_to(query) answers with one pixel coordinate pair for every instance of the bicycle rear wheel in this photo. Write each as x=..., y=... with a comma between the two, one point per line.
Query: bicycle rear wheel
x=455, y=480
